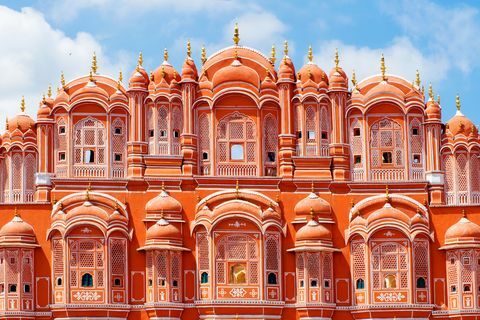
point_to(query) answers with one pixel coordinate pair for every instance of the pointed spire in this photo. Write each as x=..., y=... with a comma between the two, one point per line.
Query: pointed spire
x=387, y=194
x=62, y=80
x=94, y=67
x=457, y=102
x=22, y=104
x=236, y=35
x=285, y=49
x=140, y=61
x=90, y=77
x=6, y=123
x=49, y=92
x=189, y=49
x=354, y=79
x=430, y=92
x=337, y=59
x=16, y=214
x=382, y=67
x=273, y=54
x=310, y=54
x=120, y=79
x=312, y=214
x=204, y=54
x=438, y=99
x=464, y=213
x=44, y=99
x=165, y=54
x=417, y=79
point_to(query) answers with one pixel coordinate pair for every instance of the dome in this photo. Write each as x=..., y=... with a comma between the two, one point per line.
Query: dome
x=312, y=203
x=313, y=72
x=163, y=203
x=286, y=69
x=165, y=71
x=460, y=124
x=388, y=212
x=433, y=110
x=87, y=209
x=17, y=227
x=236, y=72
x=139, y=78
x=313, y=231
x=268, y=84
x=385, y=88
x=338, y=79
x=189, y=70
x=21, y=121
x=419, y=219
x=90, y=89
x=163, y=230
x=463, y=231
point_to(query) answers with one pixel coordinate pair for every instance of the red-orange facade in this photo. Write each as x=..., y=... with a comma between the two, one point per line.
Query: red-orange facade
x=240, y=191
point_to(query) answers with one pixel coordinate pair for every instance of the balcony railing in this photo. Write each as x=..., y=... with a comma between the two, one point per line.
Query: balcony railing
x=462, y=198
x=237, y=169
x=18, y=196
x=387, y=174
x=89, y=171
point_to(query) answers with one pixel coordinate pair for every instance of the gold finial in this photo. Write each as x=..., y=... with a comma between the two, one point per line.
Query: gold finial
x=16, y=212
x=354, y=79
x=438, y=98
x=235, y=54
x=382, y=67
x=337, y=59
x=120, y=79
x=152, y=77
x=312, y=187
x=6, y=123
x=163, y=185
x=62, y=80
x=457, y=102
x=163, y=72
x=464, y=213
x=423, y=90
x=310, y=54
x=22, y=104
x=417, y=79
x=161, y=214
x=352, y=203
x=94, y=63
x=312, y=214
x=285, y=49
x=44, y=99
x=430, y=92
x=165, y=54
x=90, y=77
x=49, y=92
x=139, y=61
x=387, y=194
x=204, y=54
x=236, y=35
x=189, y=49
x=87, y=192
x=273, y=54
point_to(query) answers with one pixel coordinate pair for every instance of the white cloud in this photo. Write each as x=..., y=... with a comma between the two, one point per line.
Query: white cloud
x=33, y=54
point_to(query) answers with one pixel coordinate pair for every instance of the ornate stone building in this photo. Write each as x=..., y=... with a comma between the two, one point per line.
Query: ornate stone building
x=240, y=190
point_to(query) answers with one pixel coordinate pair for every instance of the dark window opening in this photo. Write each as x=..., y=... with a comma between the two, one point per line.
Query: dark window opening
x=299, y=134
x=314, y=283
x=205, y=155
x=357, y=159
x=415, y=131
x=151, y=133
x=204, y=277
x=360, y=284
x=467, y=288
x=324, y=135
x=163, y=133
x=61, y=130
x=62, y=156
x=452, y=261
x=174, y=283
x=416, y=158
x=302, y=283
x=118, y=130
x=26, y=288
x=118, y=157
x=150, y=282
x=12, y=288
x=326, y=284
x=421, y=283
x=117, y=282
x=386, y=157
x=87, y=280
x=272, y=278
x=12, y=260
x=59, y=281
x=453, y=288
x=176, y=133
x=2, y=288
x=271, y=156
x=356, y=132
x=162, y=282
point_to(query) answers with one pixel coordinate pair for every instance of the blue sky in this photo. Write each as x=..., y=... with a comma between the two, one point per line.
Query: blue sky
x=42, y=38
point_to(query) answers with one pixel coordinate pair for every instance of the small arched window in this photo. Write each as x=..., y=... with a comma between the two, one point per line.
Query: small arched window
x=59, y=281
x=204, y=277
x=87, y=280
x=272, y=278
x=360, y=284
x=421, y=283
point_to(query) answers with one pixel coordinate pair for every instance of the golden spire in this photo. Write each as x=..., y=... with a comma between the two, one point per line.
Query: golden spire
x=16, y=212
x=235, y=54
x=337, y=59
x=387, y=194
x=464, y=213
x=87, y=192
x=312, y=188
x=189, y=49
x=94, y=63
x=354, y=79
x=120, y=79
x=236, y=35
x=163, y=72
x=140, y=61
x=438, y=99
x=165, y=54
x=6, y=123
x=62, y=80
x=273, y=54
x=90, y=77
x=312, y=214
x=430, y=92
x=204, y=54
x=285, y=49
x=49, y=92
x=457, y=102
x=22, y=104
x=44, y=99
x=310, y=54
x=382, y=67
x=163, y=186
x=417, y=79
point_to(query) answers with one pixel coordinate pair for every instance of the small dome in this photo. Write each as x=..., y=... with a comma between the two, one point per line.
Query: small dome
x=189, y=70
x=89, y=90
x=384, y=88
x=163, y=230
x=87, y=209
x=312, y=203
x=460, y=124
x=139, y=78
x=286, y=69
x=462, y=231
x=418, y=218
x=163, y=203
x=236, y=72
x=165, y=71
x=338, y=79
x=313, y=72
x=205, y=84
x=22, y=122
x=268, y=84
x=433, y=110
x=388, y=212
x=313, y=231
x=17, y=227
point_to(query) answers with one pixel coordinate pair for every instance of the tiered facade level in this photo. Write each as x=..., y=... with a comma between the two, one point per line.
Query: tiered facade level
x=241, y=191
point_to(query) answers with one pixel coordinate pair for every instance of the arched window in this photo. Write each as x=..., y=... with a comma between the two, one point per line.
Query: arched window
x=89, y=148
x=272, y=278
x=360, y=284
x=30, y=168
x=386, y=144
x=204, y=277
x=390, y=266
x=421, y=283
x=176, y=130
x=311, y=135
x=87, y=280
x=236, y=146
x=416, y=149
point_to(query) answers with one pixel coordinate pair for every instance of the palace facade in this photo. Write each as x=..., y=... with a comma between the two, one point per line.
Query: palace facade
x=239, y=190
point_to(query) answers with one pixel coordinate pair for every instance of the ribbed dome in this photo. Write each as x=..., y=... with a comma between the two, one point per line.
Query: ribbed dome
x=313, y=72
x=313, y=231
x=87, y=209
x=189, y=70
x=312, y=203
x=22, y=122
x=236, y=72
x=460, y=124
x=163, y=230
x=90, y=89
x=384, y=88
x=17, y=227
x=462, y=231
x=286, y=69
x=163, y=203
x=338, y=79
x=388, y=212
x=433, y=110
x=139, y=78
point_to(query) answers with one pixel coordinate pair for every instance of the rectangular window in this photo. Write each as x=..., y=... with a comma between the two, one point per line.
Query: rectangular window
x=415, y=131
x=311, y=135
x=356, y=132
x=326, y=284
x=118, y=130
x=163, y=133
x=89, y=156
x=313, y=283
x=151, y=133
x=357, y=159
x=12, y=288
x=62, y=156
x=176, y=133
x=204, y=155
x=324, y=135
x=466, y=261
x=236, y=152
x=271, y=156
x=162, y=282
x=416, y=158
x=62, y=130
x=117, y=157
x=2, y=288
x=299, y=134
x=386, y=157
x=26, y=288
